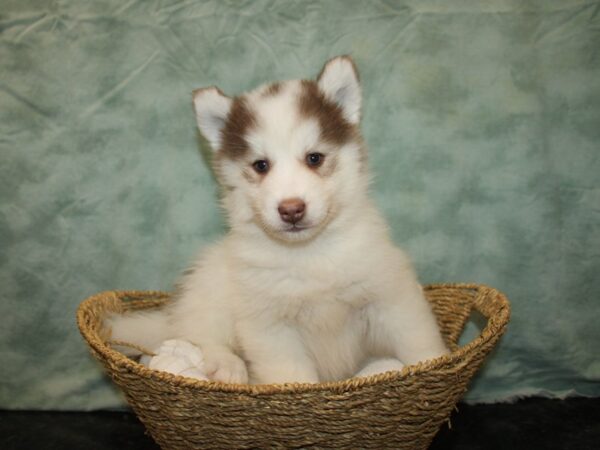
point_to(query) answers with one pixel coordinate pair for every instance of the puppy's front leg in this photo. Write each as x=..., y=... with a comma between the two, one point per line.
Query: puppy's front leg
x=402, y=324
x=276, y=354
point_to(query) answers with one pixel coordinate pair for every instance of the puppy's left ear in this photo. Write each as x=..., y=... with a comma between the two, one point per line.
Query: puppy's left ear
x=339, y=82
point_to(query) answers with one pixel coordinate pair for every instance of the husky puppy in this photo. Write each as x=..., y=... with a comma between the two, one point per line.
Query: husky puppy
x=307, y=284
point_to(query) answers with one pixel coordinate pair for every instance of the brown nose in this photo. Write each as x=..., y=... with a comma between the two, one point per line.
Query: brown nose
x=292, y=210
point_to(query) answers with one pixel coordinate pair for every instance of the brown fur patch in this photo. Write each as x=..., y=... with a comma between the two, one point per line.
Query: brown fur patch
x=335, y=129
x=240, y=120
x=272, y=90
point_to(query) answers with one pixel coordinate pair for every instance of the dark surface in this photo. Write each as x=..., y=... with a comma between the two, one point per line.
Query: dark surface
x=534, y=423
x=528, y=424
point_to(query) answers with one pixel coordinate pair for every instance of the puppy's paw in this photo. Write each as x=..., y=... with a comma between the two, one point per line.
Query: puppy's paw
x=375, y=366
x=223, y=365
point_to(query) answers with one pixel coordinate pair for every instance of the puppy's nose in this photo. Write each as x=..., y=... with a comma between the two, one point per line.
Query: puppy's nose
x=292, y=210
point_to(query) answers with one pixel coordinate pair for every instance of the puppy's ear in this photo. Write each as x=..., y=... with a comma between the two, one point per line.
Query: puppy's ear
x=212, y=108
x=339, y=82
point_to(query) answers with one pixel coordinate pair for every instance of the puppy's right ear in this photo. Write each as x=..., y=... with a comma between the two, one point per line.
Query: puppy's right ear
x=212, y=108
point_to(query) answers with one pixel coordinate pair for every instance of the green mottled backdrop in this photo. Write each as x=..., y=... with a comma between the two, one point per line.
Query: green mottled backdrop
x=483, y=120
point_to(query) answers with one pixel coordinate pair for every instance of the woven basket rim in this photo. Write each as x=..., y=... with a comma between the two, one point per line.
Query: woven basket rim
x=496, y=322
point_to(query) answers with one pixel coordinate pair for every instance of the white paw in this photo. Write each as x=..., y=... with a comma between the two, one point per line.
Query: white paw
x=177, y=357
x=382, y=365
x=222, y=365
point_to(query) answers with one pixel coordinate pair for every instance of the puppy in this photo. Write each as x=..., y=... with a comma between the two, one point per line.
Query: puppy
x=307, y=285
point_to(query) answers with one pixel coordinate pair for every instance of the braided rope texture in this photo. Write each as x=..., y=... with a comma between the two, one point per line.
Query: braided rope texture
x=400, y=410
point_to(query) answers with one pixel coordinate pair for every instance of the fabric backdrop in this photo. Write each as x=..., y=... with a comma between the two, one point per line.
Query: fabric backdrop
x=482, y=118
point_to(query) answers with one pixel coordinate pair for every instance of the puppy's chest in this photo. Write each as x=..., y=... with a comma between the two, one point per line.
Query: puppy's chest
x=314, y=297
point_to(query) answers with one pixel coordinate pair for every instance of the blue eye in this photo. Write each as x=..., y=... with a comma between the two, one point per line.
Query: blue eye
x=315, y=159
x=261, y=166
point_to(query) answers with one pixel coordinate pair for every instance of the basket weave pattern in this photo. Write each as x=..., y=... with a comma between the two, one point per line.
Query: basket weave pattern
x=400, y=410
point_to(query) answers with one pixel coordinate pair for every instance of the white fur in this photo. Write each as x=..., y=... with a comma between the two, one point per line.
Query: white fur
x=304, y=306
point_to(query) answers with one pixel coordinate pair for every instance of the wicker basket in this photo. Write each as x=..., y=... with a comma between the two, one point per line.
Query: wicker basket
x=392, y=410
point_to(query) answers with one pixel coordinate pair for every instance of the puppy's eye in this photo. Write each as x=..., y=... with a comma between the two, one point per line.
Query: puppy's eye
x=261, y=166
x=315, y=159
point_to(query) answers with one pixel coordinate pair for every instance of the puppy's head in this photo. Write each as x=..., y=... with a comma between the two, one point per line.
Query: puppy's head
x=289, y=154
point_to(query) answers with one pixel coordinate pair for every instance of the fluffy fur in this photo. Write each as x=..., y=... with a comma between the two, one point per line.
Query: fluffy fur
x=305, y=300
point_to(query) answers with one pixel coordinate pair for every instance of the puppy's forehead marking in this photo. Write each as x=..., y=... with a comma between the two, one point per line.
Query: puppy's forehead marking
x=240, y=121
x=280, y=128
x=288, y=116
x=335, y=129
